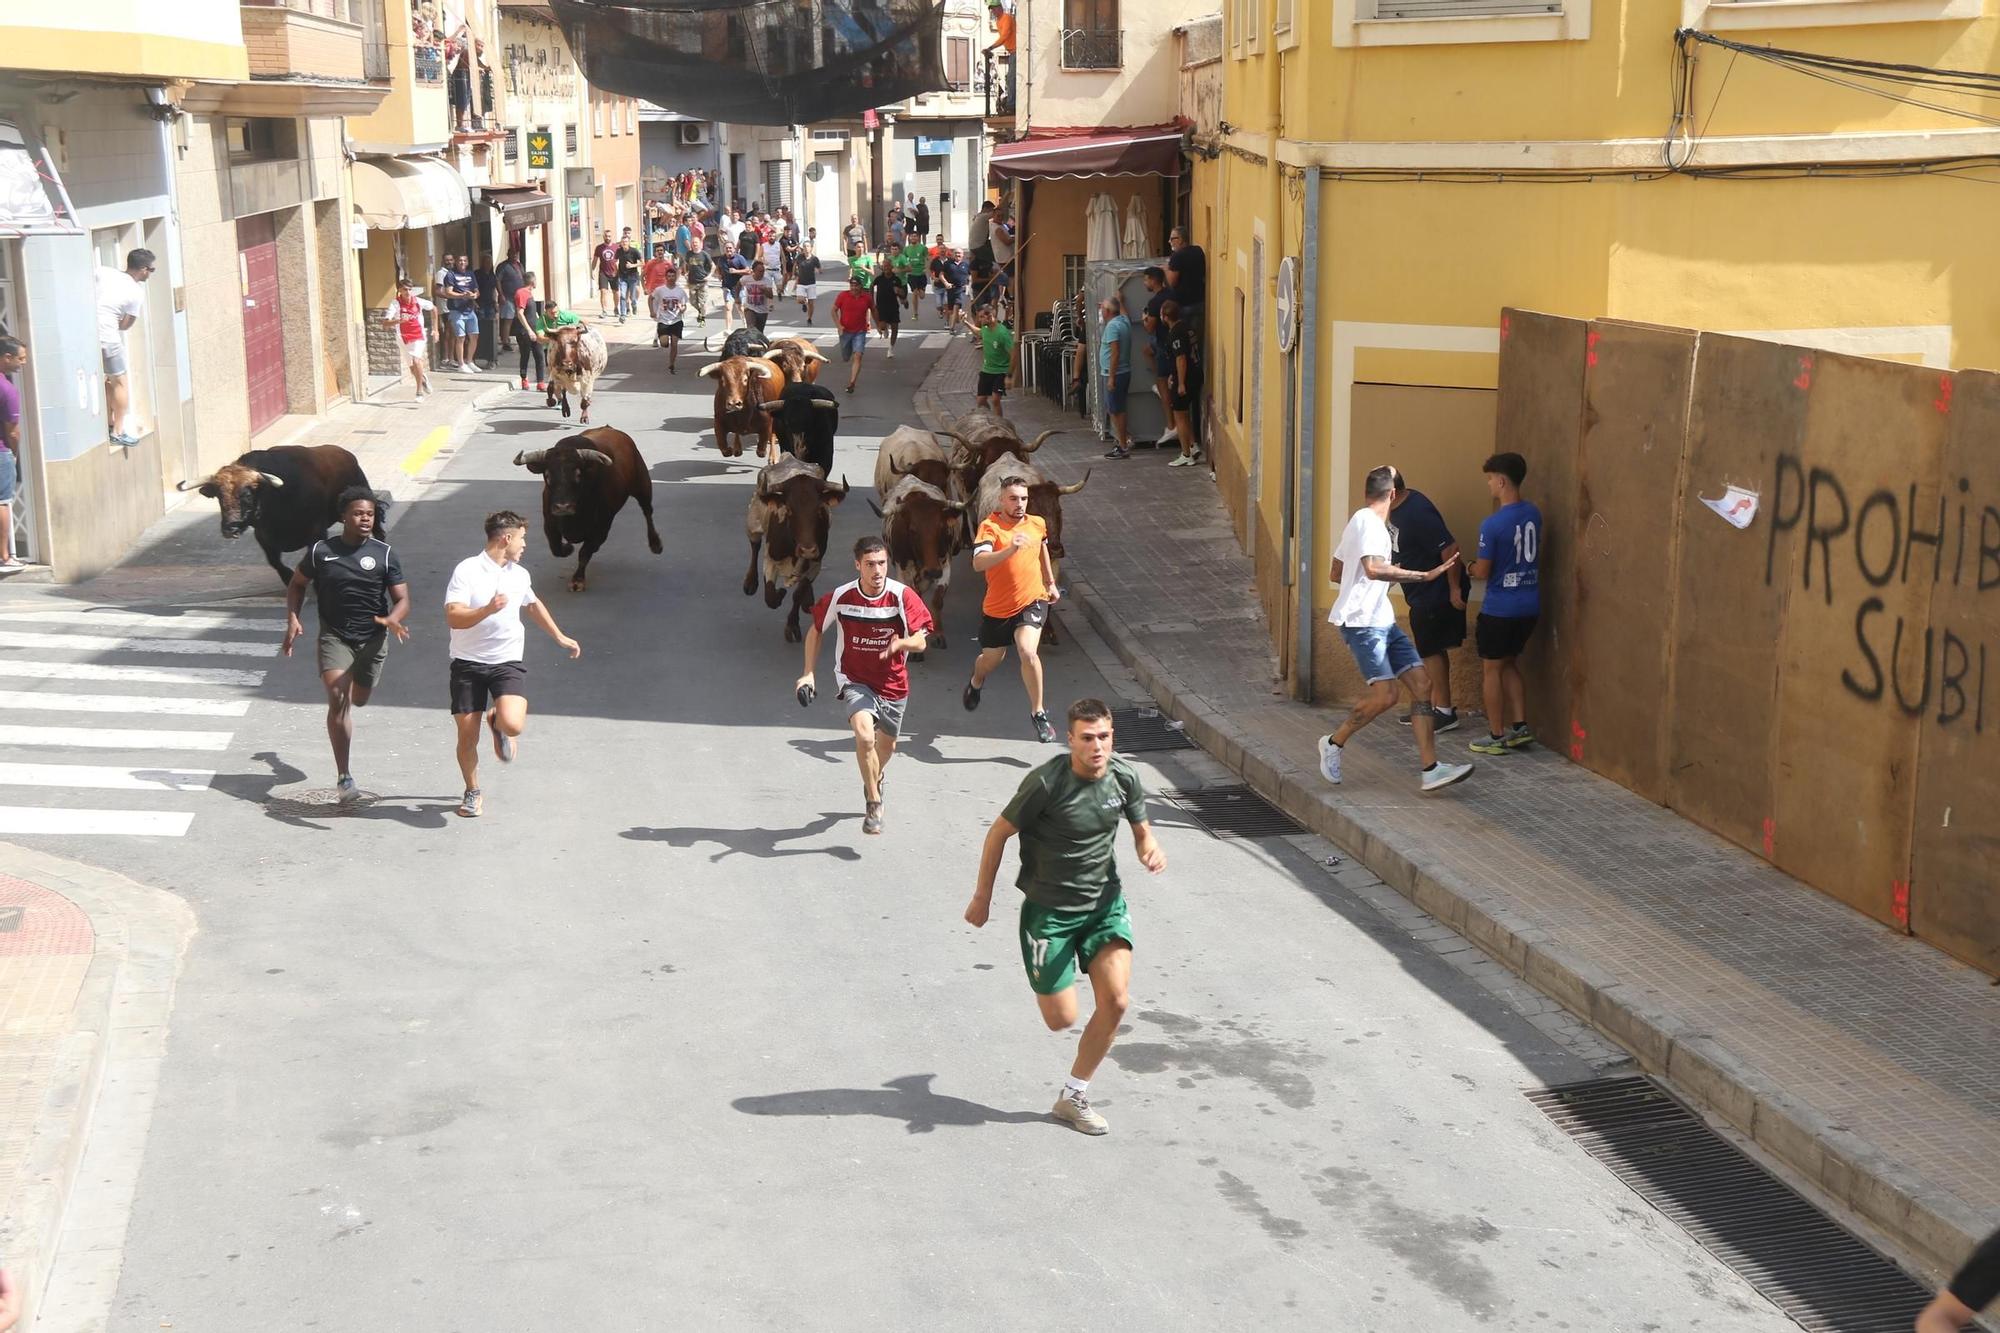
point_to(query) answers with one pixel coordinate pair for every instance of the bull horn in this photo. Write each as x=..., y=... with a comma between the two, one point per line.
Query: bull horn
x=771, y=405
x=593, y=456
x=277, y=481
x=813, y=352
x=877, y=508
x=1072, y=490
x=710, y=369
x=826, y=404
x=195, y=485
x=1029, y=449
x=761, y=368
x=528, y=459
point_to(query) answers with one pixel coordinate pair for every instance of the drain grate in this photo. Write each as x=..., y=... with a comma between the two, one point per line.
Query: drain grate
x=1800, y=1259
x=1235, y=812
x=1137, y=729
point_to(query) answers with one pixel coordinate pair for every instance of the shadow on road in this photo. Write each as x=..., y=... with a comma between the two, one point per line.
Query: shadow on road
x=840, y=750
x=908, y=1099
x=758, y=842
x=262, y=789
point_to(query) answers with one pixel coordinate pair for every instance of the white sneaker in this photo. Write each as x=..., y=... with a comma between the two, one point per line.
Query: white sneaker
x=892, y=354
x=1445, y=774
x=1171, y=437
x=1329, y=759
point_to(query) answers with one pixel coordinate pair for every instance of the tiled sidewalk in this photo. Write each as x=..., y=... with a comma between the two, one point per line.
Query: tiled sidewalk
x=1867, y=1062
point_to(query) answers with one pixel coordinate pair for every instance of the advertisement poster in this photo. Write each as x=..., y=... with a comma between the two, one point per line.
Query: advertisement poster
x=576, y=220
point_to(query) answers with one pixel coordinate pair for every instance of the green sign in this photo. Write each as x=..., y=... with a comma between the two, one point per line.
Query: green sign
x=541, y=152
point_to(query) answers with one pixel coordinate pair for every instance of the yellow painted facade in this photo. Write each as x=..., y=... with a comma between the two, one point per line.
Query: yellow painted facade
x=1545, y=185
x=190, y=39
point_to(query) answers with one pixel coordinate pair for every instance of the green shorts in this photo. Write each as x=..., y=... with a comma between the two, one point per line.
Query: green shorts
x=362, y=660
x=1056, y=944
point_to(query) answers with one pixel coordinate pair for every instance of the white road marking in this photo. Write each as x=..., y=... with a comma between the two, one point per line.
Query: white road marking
x=104, y=643
x=130, y=675
x=192, y=622
x=132, y=823
x=114, y=738
x=105, y=777
x=122, y=703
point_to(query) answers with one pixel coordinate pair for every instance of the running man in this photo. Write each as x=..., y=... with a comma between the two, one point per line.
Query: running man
x=852, y=310
x=483, y=605
x=1073, y=907
x=888, y=291
x=605, y=257
x=670, y=303
x=760, y=292
x=1011, y=549
x=870, y=667
x=732, y=268
x=805, y=269
x=1975, y=1286
x=996, y=358
x=1510, y=541
x=358, y=583
x=408, y=315
x=1363, y=567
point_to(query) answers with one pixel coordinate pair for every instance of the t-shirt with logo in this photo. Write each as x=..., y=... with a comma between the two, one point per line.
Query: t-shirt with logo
x=461, y=291
x=1363, y=603
x=1016, y=582
x=351, y=585
x=670, y=303
x=758, y=294
x=607, y=259
x=500, y=637
x=1069, y=831
x=865, y=626
x=409, y=318
x=1420, y=536
x=1511, y=537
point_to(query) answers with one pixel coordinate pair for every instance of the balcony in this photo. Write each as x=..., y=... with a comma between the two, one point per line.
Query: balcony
x=1093, y=48
x=429, y=64
x=998, y=83
x=301, y=40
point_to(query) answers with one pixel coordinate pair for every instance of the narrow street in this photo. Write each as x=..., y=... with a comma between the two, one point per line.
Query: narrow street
x=663, y=1041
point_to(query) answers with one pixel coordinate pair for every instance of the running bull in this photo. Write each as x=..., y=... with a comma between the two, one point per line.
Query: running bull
x=805, y=418
x=287, y=497
x=586, y=480
x=924, y=529
x=743, y=384
x=576, y=359
x=791, y=513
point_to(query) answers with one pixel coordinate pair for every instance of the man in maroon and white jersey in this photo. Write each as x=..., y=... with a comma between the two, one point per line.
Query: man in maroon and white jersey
x=880, y=622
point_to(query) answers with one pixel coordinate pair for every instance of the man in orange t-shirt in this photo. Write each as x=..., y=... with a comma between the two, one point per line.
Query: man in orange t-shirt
x=1011, y=549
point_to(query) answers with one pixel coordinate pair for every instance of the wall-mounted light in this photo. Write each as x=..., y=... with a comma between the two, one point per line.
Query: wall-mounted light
x=161, y=104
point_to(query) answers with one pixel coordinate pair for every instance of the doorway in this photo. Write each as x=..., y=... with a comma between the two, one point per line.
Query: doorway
x=263, y=324
x=826, y=215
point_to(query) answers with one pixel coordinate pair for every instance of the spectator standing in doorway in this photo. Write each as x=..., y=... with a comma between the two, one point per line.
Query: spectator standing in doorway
x=1114, y=369
x=461, y=314
x=13, y=356
x=888, y=291
x=921, y=220
x=1510, y=552
x=1437, y=610
x=120, y=299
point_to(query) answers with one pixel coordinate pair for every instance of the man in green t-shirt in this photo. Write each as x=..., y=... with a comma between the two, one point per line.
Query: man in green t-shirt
x=996, y=357
x=1073, y=909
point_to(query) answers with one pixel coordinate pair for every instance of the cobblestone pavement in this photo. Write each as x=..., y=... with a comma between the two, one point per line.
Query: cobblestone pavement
x=1867, y=1062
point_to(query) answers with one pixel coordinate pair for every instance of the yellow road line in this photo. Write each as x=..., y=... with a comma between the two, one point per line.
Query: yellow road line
x=423, y=453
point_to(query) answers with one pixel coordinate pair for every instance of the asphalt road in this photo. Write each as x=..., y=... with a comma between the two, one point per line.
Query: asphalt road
x=663, y=1041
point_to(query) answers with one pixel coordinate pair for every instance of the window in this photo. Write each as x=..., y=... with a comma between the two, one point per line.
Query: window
x=1284, y=23
x=1430, y=9
x=261, y=139
x=1460, y=22
x=1073, y=275
x=777, y=184
x=596, y=117
x=1723, y=15
x=1091, y=38
x=631, y=115
x=958, y=63
x=569, y=140
x=1249, y=20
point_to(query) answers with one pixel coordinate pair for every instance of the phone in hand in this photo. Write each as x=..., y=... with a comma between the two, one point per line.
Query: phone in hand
x=806, y=696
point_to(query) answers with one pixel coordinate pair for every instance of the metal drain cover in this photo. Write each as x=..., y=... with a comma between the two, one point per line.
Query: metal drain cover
x=1235, y=812
x=1801, y=1260
x=319, y=803
x=1139, y=729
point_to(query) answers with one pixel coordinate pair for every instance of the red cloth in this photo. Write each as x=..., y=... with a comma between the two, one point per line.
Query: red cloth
x=864, y=626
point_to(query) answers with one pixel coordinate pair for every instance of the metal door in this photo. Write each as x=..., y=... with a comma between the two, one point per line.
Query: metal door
x=826, y=214
x=263, y=329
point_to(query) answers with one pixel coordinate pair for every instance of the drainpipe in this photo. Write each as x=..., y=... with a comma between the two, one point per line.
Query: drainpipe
x=1308, y=493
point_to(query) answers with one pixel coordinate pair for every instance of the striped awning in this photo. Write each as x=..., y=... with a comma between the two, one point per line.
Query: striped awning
x=1089, y=153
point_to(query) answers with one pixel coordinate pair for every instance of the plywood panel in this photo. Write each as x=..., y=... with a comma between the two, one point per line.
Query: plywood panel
x=1953, y=899
x=1854, y=675
x=1540, y=417
x=1747, y=407
x=1636, y=383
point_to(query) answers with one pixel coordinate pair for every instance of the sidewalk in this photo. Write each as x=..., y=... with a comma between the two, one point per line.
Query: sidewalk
x=88, y=961
x=1866, y=1062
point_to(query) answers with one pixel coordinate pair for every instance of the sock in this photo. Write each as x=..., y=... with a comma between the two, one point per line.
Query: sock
x=1334, y=743
x=1431, y=765
x=1446, y=712
x=1074, y=1086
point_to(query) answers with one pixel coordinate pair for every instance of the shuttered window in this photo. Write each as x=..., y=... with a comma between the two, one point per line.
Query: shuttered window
x=777, y=185
x=1282, y=24
x=569, y=140
x=958, y=63
x=1428, y=9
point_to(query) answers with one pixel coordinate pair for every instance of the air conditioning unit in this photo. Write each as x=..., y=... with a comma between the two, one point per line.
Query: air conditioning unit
x=693, y=133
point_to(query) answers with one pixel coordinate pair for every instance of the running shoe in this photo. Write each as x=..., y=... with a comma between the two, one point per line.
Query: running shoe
x=892, y=353
x=1329, y=759
x=971, y=697
x=1519, y=737
x=1121, y=452
x=1181, y=460
x=1489, y=745
x=345, y=791
x=1045, y=730
x=473, y=803
x=524, y=384
x=1073, y=1109
x=503, y=744
x=1172, y=436
x=1443, y=775
x=1445, y=719
x=871, y=822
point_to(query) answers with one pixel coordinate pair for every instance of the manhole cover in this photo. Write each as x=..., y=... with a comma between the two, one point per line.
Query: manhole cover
x=1139, y=729
x=1235, y=812
x=319, y=803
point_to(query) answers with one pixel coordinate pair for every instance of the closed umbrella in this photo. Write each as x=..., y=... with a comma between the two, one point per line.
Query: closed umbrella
x=1138, y=245
x=1101, y=229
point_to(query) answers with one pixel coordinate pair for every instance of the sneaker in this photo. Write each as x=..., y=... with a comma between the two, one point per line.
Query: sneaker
x=1045, y=730
x=891, y=354
x=1181, y=460
x=971, y=697
x=1443, y=775
x=1120, y=452
x=871, y=822
x=1171, y=437
x=1329, y=759
x=1519, y=737
x=345, y=791
x=524, y=386
x=473, y=803
x=1489, y=745
x=1446, y=721
x=503, y=744
x=1073, y=1109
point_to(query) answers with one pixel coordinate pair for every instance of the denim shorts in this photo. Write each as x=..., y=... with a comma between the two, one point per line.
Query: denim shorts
x=1116, y=391
x=9, y=478
x=1382, y=652
x=464, y=323
x=851, y=344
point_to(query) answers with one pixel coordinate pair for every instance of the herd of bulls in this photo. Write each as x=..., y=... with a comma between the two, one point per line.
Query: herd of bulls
x=932, y=497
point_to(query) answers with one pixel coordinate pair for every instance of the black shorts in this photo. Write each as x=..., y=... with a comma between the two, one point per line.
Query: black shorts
x=475, y=684
x=673, y=330
x=1184, y=402
x=1437, y=629
x=1503, y=636
x=998, y=631
x=992, y=383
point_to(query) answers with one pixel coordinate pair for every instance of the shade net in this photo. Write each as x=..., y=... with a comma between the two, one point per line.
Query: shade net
x=759, y=62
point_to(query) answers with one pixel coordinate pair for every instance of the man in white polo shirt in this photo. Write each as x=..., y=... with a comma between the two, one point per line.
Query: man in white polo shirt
x=483, y=605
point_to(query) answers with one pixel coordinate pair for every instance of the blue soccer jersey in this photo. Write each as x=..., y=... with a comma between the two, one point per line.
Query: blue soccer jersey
x=1511, y=537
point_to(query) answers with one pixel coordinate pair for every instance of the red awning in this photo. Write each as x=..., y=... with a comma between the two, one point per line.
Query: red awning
x=1084, y=153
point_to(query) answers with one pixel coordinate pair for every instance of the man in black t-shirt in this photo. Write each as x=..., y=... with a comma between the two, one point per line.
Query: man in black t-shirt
x=1437, y=608
x=630, y=261
x=1972, y=1289
x=1187, y=272
x=1155, y=348
x=358, y=583
x=1183, y=361
x=889, y=294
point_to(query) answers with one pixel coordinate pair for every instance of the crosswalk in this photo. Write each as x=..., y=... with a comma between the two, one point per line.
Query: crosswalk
x=107, y=714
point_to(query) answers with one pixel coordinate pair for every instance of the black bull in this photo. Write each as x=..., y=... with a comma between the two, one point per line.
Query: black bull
x=806, y=418
x=586, y=480
x=287, y=497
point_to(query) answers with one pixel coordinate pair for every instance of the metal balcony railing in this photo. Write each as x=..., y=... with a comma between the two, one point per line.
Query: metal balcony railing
x=998, y=78
x=1093, y=48
x=430, y=64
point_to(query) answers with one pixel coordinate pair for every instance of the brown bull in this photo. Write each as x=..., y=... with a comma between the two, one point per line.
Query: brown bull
x=586, y=480
x=909, y=452
x=791, y=514
x=1044, y=502
x=990, y=437
x=576, y=358
x=286, y=497
x=924, y=529
x=742, y=384
x=798, y=358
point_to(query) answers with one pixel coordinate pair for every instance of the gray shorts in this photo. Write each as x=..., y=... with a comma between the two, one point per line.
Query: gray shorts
x=114, y=357
x=364, y=660
x=888, y=712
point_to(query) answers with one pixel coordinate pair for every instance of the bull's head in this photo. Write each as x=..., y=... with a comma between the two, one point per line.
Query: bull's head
x=1045, y=503
x=565, y=471
x=732, y=378
x=931, y=471
x=235, y=488
x=799, y=513
x=794, y=413
x=567, y=353
x=922, y=536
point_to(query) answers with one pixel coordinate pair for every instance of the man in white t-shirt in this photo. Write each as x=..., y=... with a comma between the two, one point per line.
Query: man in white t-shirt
x=670, y=303
x=483, y=604
x=120, y=301
x=1364, y=567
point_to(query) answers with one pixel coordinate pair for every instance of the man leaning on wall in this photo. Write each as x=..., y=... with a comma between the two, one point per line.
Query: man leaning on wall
x=120, y=298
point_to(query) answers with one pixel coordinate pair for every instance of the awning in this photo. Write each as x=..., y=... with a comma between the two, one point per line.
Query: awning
x=406, y=193
x=1086, y=153
x=32, y=199
x=518, y=205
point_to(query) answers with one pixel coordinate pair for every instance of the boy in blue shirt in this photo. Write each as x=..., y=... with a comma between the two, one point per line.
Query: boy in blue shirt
x=1510, y=548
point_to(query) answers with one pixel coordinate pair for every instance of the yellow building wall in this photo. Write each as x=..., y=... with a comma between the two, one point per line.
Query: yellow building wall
x=412, y=113
x=189, y=39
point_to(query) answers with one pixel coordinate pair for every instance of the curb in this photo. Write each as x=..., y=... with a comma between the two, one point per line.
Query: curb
x=120, y=1021
x=403, y=487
